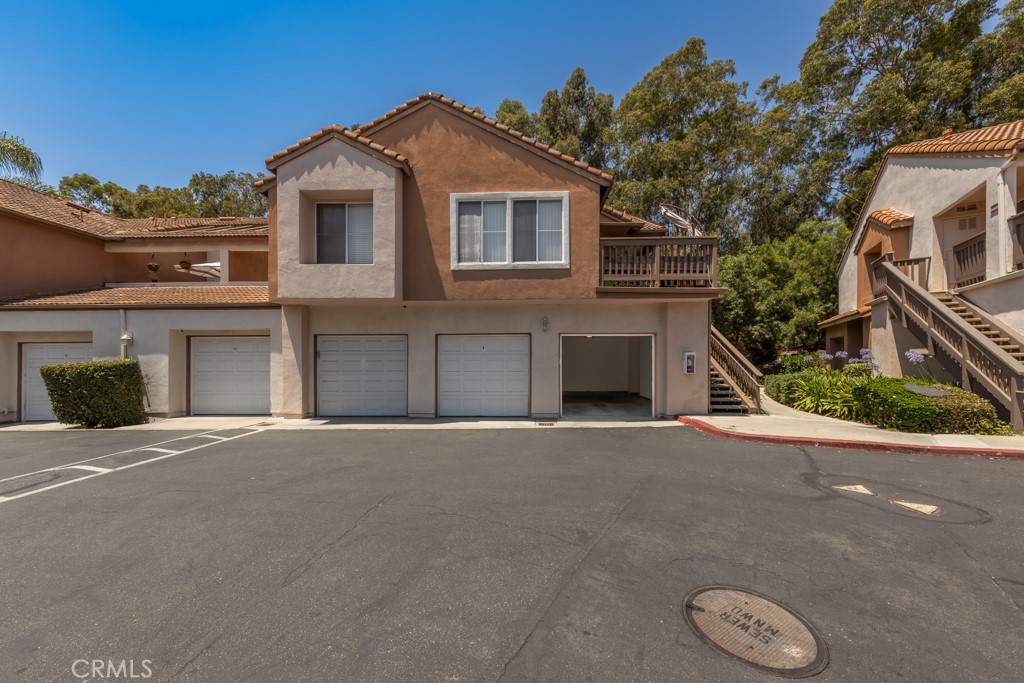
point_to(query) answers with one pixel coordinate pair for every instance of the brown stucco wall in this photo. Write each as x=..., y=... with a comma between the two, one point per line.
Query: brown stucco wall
x=450, y=154
x=272, y=243
x=36, y=258
x=878, y=240
x=248, y=266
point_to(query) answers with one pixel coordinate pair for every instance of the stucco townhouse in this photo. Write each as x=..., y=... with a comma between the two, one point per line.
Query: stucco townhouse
x=429, y=263
x=935, y=264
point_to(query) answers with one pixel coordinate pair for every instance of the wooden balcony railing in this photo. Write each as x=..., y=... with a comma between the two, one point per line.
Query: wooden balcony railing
x=736, y=369
x=967, y=262
x=917, y=269
x=659, y=262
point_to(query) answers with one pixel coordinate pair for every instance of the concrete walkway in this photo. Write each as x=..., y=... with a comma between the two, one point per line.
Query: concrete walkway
x=784, y=425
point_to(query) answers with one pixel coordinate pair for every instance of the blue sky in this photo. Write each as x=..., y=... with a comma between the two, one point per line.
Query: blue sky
x=150, y=92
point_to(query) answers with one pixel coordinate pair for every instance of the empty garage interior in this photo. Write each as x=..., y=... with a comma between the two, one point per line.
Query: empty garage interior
x=607, y=376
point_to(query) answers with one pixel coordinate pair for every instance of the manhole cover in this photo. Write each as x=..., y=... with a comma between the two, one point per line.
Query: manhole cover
x=756, y=630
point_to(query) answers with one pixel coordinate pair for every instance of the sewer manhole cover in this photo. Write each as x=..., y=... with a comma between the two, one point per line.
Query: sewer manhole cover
x=756, y=630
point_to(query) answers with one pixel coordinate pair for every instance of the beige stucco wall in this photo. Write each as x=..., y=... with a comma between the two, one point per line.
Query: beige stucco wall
x=926, y=187
x=1002, y=298
x=678, y=327
x=336, y=171
x=160, y=345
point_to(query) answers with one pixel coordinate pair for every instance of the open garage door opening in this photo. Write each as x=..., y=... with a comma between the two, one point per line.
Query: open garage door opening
x=607, y=376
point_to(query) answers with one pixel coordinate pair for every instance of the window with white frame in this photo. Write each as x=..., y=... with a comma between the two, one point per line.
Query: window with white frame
x=344, y=233
x=510, y=230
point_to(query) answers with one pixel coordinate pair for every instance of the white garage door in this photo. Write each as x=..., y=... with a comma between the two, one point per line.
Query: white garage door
x=361, y=375
x=231, y=376
x=487, y=376
x=36, y=404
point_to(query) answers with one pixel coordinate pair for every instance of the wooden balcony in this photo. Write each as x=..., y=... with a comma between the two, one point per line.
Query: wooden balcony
x=966, y=262
x=666, y=266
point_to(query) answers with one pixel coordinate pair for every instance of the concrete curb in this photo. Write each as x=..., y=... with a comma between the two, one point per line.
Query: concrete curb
x=952, y=451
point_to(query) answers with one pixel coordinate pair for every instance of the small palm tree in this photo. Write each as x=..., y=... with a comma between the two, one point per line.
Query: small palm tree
x=16, y=158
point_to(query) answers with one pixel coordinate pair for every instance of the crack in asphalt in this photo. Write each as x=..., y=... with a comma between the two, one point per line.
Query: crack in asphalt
x=298, y=571
x=197, y=656
x=570, y=573
x=483, y=520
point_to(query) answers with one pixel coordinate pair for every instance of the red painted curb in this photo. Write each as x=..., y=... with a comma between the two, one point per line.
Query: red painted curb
x=952, y=451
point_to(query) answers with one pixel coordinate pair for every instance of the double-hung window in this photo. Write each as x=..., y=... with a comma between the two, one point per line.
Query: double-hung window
x=510, y=230
x=344, y=233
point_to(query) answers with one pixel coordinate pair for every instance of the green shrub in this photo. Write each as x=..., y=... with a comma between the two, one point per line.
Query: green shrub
x=827, y=392
x=965, y=413
x=104, y=393
x=796, y=362
x=859, y=370
x=884, y=401
x=784, y=388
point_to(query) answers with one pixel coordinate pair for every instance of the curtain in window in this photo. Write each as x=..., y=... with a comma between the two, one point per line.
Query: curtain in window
x=330, y=233
x=549, y=230
x=494, y=232
x=469, y=232
x=360, y=233
x=524, y=230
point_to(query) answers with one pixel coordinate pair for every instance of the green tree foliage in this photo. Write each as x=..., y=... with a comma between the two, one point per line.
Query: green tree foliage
x=883, y=72
x=779, y=290
x=683, y=136
x=1001, y=53
x=17, y=159
x=206, y=195
x=577, y=120
x=513, y=114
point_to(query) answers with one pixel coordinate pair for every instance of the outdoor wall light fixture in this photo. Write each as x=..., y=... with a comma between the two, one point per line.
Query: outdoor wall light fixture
x=544, y=324
x=127, y=338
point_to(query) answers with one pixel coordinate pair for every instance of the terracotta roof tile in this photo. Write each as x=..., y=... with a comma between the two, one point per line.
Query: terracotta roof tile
x=458, y=106
x=146, y=296
x=335, y=131
x=20, y=200
x=892, y=217
x=647, y=226
x=847, y=315
x=1003, y=137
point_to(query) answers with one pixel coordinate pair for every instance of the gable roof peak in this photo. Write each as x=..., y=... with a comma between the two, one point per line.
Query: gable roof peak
x=472, y=112
x=337, y=131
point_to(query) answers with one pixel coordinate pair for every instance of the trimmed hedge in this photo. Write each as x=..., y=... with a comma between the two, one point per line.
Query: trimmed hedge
x=103, y=393
x=965, y=413
x=884, y=401
x=785, y=388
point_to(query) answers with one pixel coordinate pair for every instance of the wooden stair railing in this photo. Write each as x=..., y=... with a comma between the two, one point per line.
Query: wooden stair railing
x=735, y=369
x=980, y=359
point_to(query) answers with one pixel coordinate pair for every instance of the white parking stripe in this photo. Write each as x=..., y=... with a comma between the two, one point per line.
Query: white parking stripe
x=100, y=457
x=88, y=468
x=158, y=450
x=116, y=469
x=211, y=436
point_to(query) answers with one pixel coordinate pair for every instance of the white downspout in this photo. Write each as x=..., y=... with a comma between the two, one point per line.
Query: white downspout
x=126, y=336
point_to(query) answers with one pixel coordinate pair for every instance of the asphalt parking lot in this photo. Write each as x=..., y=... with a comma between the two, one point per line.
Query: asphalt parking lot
x=545, y=554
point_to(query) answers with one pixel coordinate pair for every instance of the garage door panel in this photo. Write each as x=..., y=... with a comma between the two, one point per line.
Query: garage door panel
x=230, y=376
x=35, y=399
x=483, y=375
x=362, y=375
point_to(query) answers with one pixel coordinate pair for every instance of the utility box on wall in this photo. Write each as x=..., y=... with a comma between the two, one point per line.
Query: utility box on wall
x=689, y=363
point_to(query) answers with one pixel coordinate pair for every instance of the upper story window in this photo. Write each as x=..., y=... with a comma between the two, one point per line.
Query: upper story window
x=510, y=230
x=344, y=233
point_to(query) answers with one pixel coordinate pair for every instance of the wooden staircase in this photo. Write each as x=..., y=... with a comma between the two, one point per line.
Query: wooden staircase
x=989, y=355
x=725, y=399
x=735, y=382
x=985, y=325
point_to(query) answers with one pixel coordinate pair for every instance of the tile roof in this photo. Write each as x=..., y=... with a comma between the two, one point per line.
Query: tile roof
x=892, y=217
x=23, y=201
x=18, y=199
x=848, y=314
x=146, y=297
x=1003, y=137
x=646, y=225
x=335, y=131
x=225, y=226
x=469, y=111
